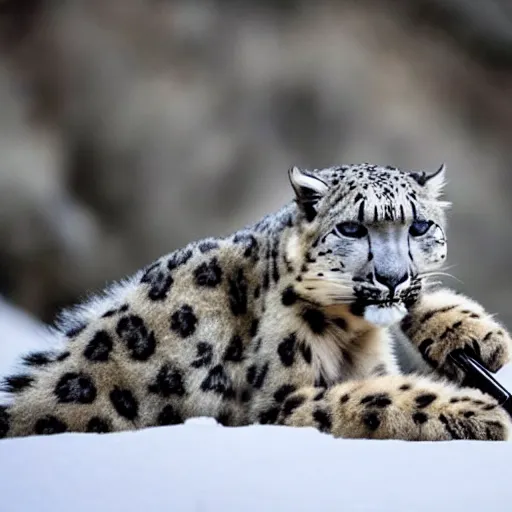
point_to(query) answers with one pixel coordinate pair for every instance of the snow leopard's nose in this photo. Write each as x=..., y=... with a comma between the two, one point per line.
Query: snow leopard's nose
x=391, y=280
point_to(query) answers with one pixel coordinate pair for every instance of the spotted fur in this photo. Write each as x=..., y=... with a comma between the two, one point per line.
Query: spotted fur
x=285, y=322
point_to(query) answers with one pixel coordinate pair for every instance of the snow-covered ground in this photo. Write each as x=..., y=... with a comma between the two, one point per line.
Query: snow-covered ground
x=201, y=466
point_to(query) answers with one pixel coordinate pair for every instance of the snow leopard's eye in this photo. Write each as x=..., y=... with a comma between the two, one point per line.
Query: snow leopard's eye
x=351, y=229
x=420, y=227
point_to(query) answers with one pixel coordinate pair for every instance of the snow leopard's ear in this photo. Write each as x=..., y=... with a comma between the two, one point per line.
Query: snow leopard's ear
x=433, y=182
x=309, y=189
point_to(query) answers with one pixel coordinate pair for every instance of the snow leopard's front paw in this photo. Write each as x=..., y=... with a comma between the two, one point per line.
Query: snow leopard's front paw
x=443, y=322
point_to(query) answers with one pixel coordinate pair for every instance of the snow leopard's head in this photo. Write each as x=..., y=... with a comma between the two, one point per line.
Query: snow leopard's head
x=367, y=235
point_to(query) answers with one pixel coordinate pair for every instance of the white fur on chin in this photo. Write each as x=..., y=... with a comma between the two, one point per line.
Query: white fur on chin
x=386, y=316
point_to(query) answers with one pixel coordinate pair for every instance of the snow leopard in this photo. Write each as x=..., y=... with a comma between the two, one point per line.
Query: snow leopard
x=296, y=320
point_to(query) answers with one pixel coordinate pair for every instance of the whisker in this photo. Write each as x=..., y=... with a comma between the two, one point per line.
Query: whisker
x=439, y=274
x=429, y=284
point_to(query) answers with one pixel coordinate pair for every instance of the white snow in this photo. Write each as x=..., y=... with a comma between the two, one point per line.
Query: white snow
x=201, y=466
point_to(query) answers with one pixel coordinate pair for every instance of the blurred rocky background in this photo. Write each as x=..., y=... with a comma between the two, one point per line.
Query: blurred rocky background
x=130, y=127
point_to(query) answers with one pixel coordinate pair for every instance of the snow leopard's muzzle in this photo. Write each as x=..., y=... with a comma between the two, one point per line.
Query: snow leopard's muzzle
x=384, y=306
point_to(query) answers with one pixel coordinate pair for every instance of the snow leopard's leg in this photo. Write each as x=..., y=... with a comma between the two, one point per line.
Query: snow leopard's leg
x=397, y=407
x=444, y=321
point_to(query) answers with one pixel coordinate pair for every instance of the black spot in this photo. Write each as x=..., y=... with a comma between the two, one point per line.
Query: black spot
x=469, y=414
x=405, y=387
x=289, y=296
x=319, y=396
x=160, y=287
x=257, y=292
x=160, y=281
x=249, y=242
x=453, y=433
x=179, y=258
x=269, y=416
x=256, y=376
x=63, y=356
x=358, y=197
x=423, y=347
x=208, y=245
x=39, y=358
x=124, y=308
x=224, y=418
x=402, y=214
x=285, y=390
x=371, y=420
x=168, y=416
x=360, y=214
x=320, y=382
x=49, y=425
x=454, y=400
x=74, y=331
x=238, y=293
x=323, y=419
x=266, y=280
x=254, y=327
x=357, y=308
x=4, y=421
x=425, y=400
x=419, y=418
x=345, y=398
x=208, y=274
x=379, y=400
x=183, y=321
x=98, y=425
x=341, y=323
x=109, y=313
x=315, y=319
x=245, y=396
x=488, y=407
x=124, y=403
x=413, y=209
x=16, y=383
x=275, y=268
x=286, y=350
x=76, y=388
x=99, y=348
x=141, y=343
x=235, y=350
x=169, y=381
x=305, y=350
x=450, y=330
x=219, y=382
x=292, y=403
x=204, y=355
x=406, y=323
